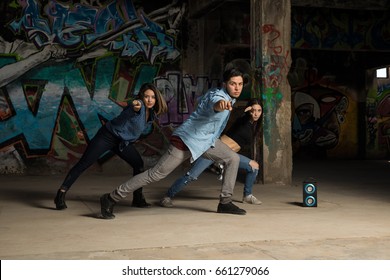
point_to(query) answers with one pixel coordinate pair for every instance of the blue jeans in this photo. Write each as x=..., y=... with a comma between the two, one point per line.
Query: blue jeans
x=201, y=164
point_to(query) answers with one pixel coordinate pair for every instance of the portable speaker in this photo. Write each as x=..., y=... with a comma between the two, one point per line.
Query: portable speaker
x=310, y=194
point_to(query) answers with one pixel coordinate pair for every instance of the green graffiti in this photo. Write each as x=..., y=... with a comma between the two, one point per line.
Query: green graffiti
x=272, y=98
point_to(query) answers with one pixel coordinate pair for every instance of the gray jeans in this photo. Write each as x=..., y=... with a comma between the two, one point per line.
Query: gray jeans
x=172, y=158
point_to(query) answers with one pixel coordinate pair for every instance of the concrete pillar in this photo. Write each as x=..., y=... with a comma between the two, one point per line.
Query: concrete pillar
x=271, y=61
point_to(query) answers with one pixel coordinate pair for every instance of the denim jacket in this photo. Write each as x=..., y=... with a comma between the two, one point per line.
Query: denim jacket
x=129, y=124
x=204, y=125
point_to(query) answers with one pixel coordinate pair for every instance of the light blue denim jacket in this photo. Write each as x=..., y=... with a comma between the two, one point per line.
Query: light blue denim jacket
x=204, y=125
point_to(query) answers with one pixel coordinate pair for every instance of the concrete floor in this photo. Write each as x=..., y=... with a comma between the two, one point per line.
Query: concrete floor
x=351, y=221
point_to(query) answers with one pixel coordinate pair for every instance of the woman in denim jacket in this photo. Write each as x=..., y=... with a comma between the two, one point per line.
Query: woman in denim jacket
x=118, y=135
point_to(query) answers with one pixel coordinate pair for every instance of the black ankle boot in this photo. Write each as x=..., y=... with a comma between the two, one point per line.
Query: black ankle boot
x=139, y=199
x=107, y=206
x=59, y=200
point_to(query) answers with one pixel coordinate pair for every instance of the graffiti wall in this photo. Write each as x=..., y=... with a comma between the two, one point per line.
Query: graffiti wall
x=334, y=29
x=378, y=119
x=67, y=66
x=325, y=116
x=334, y=48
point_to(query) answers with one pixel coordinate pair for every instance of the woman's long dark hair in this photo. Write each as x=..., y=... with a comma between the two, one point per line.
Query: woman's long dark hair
x=161, y=106
x=256, y=126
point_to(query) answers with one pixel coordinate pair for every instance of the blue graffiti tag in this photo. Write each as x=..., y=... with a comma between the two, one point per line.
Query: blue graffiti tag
x=81, y=28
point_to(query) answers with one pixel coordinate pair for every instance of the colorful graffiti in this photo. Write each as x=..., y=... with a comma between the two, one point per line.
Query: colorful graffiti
x=274, y=70
x=324, y=115
x=378, y=120
x=75, y=67
x=276, y=67
x=340, y=29
x=84, y=32
x=117, y=26
x=319, y=113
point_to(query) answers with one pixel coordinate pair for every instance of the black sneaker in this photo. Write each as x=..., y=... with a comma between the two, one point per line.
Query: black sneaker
x=140, y=203
x=107, y=207
x=59, y=200
x=230, y=208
